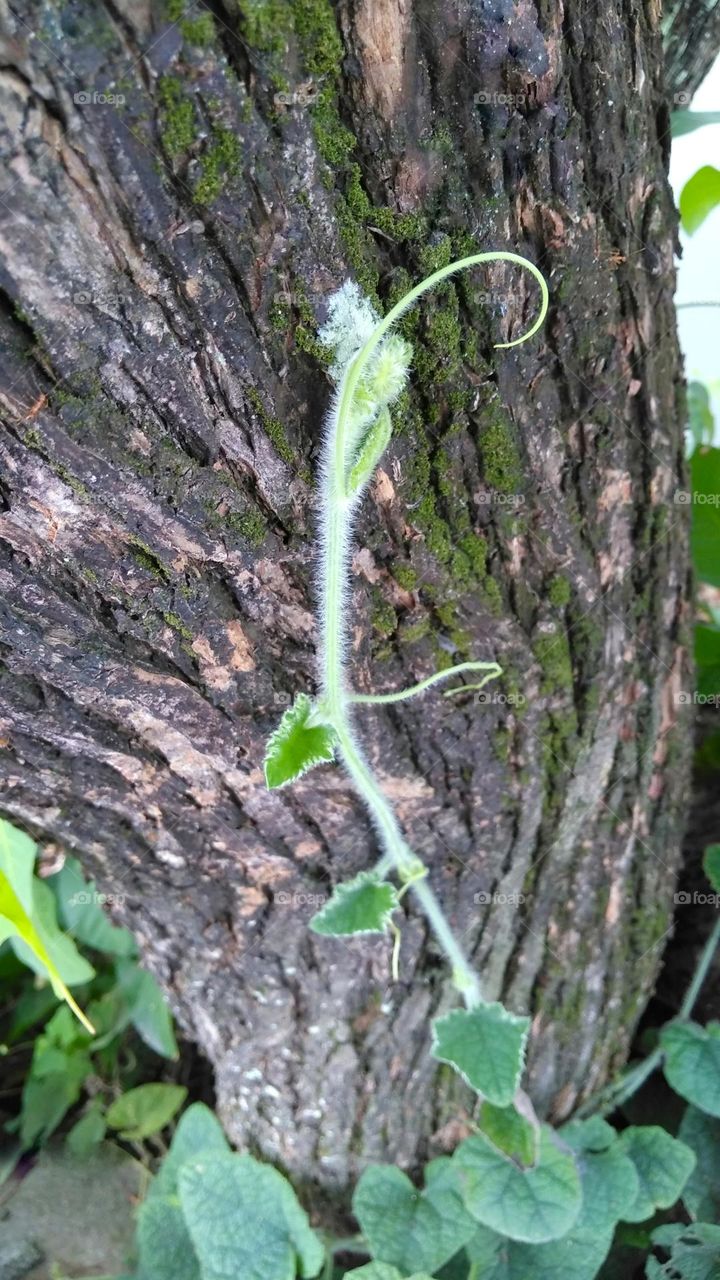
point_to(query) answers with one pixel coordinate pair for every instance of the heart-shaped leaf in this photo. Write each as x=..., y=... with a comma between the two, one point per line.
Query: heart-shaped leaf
x=245, y=1221
x=692, y=1063
x=486, y=1044
x=414, y=1230
x=663, y=1166
x=531, y=1204
x=298, y=744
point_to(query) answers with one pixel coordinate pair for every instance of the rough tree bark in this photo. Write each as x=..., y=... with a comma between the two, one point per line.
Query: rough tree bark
x=165, y=261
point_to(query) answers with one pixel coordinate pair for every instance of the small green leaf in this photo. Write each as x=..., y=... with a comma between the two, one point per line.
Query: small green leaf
x=701, y=1193
x=509, y=1131
x=145, y=1110
x=362, y=905
x=699, y=197
x=80, y=911
x=60, y=1065
x=72, y=967
x=694, y=1252
x=88, y=1132
x=711, y=865
x=486, y=1045
x=27, y=919
x=297, y=744
x=534, y=1204
x=245, y=1221
x=663, y=1166
x=416, y=1231
x=692, y=1063
x=147, y=1008
x=372, y=447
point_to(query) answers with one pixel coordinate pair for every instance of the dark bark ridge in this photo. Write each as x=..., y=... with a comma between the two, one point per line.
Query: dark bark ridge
x=165, y=261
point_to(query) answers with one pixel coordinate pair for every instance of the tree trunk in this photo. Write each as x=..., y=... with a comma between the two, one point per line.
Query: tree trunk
x=692, y=41
x=183, y=195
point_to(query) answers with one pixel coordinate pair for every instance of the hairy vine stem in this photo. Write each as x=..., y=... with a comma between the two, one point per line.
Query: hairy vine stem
x=339, y=500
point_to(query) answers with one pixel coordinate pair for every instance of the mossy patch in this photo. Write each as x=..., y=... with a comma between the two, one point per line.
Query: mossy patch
x=250, y=525
x=272, y=426
x=553, y=654
x=501, y=461
x=383, y=616
x=220, y=161
x=177, y=117
x=559, y=591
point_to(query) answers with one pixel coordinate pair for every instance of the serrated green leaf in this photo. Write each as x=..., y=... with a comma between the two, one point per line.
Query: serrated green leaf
x=701, y=1193
x=145, y=1110
x=373, y=446
x=362, y=905
x=663, y=1166
x=486, y=1045
x=692, y=1063
x=699, y=197
x=534, y=1204
x=415, y=1231
x=297, y=744
x=694, y=1252
x=245, y=1221
x=711, y=865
